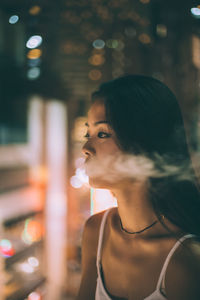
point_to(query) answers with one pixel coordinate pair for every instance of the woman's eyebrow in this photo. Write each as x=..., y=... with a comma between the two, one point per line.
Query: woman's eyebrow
x=97, y=123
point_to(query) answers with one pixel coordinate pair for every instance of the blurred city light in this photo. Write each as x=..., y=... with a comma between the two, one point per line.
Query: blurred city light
x=26, y=268
x=95, y=74
x=196, y=51
x=6, y=248
x=33, y=73
x=34, y=10
x=32, y=231
x=13, y=19
x=34, y=296
x=34, y=42
x=195, y=12
x=33, y=262
x=161, y=30
x=98, y=44
x=34, y=53
x=96, y=60
x=112, y=43
x=144, y=38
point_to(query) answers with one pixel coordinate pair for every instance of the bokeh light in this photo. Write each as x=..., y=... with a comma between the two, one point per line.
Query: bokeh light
x=144, y=38
x=34, y=296
x=34, y=42
x=95, y=74
x=33, y=73
x=195, y=12
x=96, y=60
x=112, y=43
x=33, y=262
x=34, y=53
x=13, y=19
x=98, y=44
x=35, y=10
x=32, y=232
x=161, y=30
x=6, y=248
x=26, y=268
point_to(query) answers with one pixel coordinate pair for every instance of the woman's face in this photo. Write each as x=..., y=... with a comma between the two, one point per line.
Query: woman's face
x=100, y=148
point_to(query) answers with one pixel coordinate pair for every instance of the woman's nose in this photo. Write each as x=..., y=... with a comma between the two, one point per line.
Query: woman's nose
x=88, y=150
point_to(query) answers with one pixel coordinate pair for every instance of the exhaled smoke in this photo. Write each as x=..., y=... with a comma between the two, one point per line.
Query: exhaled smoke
x=139, y=167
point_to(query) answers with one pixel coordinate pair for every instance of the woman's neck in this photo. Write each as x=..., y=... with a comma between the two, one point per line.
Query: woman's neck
x=134, y=207
x=136, y=212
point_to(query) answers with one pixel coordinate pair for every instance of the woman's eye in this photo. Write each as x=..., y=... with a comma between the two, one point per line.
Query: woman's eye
x=103, y=134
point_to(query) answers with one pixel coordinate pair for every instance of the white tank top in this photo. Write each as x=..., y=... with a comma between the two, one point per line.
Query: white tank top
x=101, y=293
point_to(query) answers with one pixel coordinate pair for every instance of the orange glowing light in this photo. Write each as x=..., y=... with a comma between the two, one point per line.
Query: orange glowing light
x=95, y=74
x=144, y=38
x=32, y=232
x=34, y=10
x=34, y=53
x=96, y=60
x=195, y=51
x=35, y=230
x=39, y=175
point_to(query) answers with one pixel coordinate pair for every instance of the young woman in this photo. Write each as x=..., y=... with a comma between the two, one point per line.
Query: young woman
x=147, y=247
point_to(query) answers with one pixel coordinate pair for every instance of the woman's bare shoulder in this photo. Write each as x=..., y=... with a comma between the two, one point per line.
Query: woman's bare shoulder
x=93, y=223
x=91, y=230
x=183, y=273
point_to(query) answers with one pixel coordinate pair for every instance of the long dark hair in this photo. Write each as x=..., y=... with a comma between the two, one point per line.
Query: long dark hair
x=147, y=120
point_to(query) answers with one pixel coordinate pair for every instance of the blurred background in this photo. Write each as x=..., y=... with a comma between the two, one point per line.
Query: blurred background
x=53, y=54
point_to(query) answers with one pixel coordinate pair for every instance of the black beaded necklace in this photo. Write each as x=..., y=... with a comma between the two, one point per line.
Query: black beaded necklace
x=140, y=231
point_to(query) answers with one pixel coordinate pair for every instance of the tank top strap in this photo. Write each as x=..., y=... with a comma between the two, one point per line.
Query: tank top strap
x=167, y=260
x=101, y=232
